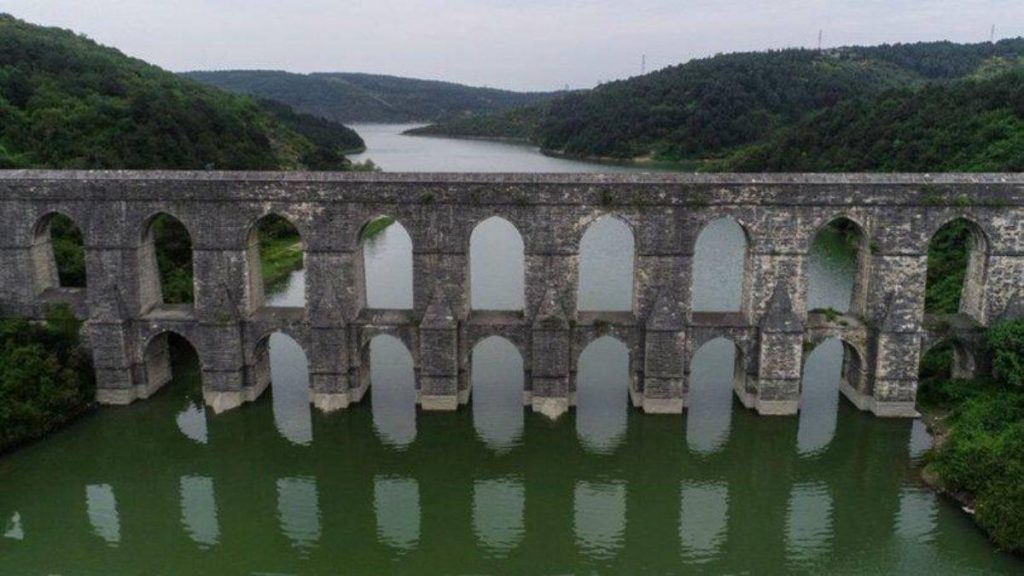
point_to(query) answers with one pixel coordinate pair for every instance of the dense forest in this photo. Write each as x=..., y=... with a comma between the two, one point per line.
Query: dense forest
x=739, y=107
x=67, y=102
x=350, y=97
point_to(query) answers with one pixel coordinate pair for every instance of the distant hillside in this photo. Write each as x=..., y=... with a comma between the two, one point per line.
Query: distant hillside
x=974, y=125
x=67, y=102
x=710, y=108
x=344, y=97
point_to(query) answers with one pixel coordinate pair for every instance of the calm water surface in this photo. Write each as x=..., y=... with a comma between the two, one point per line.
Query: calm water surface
x=275, y=487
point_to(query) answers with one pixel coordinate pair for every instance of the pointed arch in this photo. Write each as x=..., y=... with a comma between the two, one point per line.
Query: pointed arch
x=498, y=381
x=274, y=248
x=839, y=267
x=607, y=261
x=387, y=369
x=165, y=254
x=958, y=269
x=716, y=371
x=158, y=359
x=58, y=253
x=721, y=267
x=496, y=266
x=603, y=380
x=385, y=264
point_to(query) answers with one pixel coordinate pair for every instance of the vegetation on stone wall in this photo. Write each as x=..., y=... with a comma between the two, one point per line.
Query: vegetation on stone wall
x=980, y=456
x=46, y=378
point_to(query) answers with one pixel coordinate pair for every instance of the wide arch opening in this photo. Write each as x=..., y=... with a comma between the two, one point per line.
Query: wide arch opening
x=837, y=273
x=165, y=263
x=386, y=256
x=957, y=269
x=607, y=254
x=498, y=382
x=391, y=379
x=720, y=267
x=58, y=253
x=170, y=358
x=603, y=376
x=275, y=256
x=282, y=365
x=715, y=371
x=496, y=265
x=832, y=365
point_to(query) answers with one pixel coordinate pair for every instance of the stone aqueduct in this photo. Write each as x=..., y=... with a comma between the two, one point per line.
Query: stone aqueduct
x=884, y=333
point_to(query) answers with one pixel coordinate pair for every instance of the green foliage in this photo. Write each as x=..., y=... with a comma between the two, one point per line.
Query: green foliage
x=375, y=227
x=948, y=254
x=173, y=258
x=345, y=97
x=45, y=378
x=1006, y=344
x=67, y=102
x=968, y=126
x=280, y=249
x=68, y=251
x=517, y=124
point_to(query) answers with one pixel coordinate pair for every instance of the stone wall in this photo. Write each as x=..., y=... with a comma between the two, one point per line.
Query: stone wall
x=780, y=214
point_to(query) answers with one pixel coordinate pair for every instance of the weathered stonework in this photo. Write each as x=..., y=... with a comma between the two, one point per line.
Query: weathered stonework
x=884, y=334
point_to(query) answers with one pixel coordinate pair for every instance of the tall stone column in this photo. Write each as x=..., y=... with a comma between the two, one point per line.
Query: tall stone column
x=117, y=356
x=780, y=356
x=439, y=356
x=220, y=289
x=550, y=350
x=328, y=290
x=664, y=345
x=895, y=333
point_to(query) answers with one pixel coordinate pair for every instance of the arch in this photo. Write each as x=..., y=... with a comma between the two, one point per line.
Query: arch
x=496, y=266
x=157, y=359
x=607, y=260
x=385, y=265
x=716, y=371
x=166, y=273
x=498, y=382
x=721, y=267
x=282, y=365
x=269, y=243
x=949, y=358
x=387, y=368
x=957, y=269
x=58, y=253
x=839, y=267
x=602, y=385
x=852, y=371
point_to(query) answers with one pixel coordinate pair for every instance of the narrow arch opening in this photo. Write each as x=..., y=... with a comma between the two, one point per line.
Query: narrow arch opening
x=602, y=393
x=169, y=358
x=716, y=370
x=392, y=383
x=607, y=253
x=281, y=364
x=957, y=262
x=829, y=367
x=58, y=253
x=838, y=268
x=386, y=257
x=944, y=369
x=720, y=267
x=496, y=264
x=498, y=383
x=275, y=256
x=165, y=263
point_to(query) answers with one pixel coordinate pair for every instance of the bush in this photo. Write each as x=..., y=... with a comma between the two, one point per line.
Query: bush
x=45, y=377
x=1006, y=342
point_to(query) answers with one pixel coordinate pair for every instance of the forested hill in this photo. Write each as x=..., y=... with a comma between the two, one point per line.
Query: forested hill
x=710, y=108
x=67, y=102
x=972, y=125
x=350, y=97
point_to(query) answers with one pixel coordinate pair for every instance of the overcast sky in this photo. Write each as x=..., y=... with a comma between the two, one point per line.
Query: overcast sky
x=517, y=44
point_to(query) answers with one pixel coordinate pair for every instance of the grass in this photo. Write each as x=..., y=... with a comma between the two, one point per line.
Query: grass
x=279, y=257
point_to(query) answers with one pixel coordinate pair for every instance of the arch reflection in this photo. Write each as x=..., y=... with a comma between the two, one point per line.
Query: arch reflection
x=819, y=397
x=101, y=507
x=396, y=502
x=599, y=517
x=498, y=507
x=808, y=522
x=497, y=386
x=392, y=391
x=298, y=510
x=703, y=520
x=199, y=510
x=709, y=403
x=602, y=394
x=289, y=386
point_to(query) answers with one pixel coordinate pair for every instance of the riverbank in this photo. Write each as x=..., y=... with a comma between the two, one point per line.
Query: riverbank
x=279, y=257
x=978, y=426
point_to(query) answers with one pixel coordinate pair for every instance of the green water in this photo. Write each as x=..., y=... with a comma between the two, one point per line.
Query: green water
x=146, y=490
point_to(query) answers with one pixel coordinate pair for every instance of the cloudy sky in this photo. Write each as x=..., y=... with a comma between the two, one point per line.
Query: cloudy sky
x=517, y=44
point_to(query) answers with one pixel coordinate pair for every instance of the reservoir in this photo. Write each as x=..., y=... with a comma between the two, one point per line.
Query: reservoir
x=275, y=487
